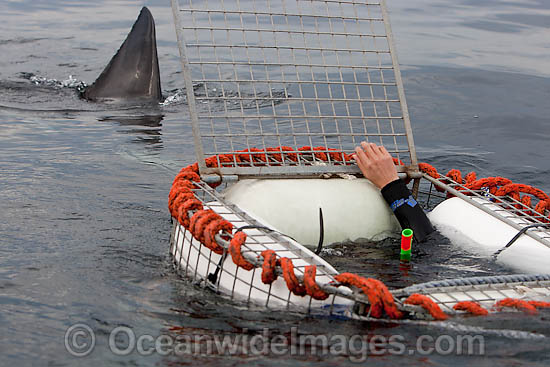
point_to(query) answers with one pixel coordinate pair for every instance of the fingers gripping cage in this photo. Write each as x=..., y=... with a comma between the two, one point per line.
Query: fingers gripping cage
x=291, y=73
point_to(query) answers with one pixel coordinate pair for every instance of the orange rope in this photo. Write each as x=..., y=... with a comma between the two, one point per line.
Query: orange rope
x=379, y=296
x=206, y=224
x=510, y=188
x=181, y=197
x=237, y=241
x=177, y=188
x=189, y=204
x=188, y=175
x=196, y=218
x=201, y=223
x=491, y=182
x=471, y=307
x=386, y=297
x=498, y=186
x=471, y=178
x=428, y=169
x=311, y=286
x=292, y=282
x=354, y=280
x=212, y=229
x=269, y=274
x=428, y=304
x=539, y=304
x=518, y=304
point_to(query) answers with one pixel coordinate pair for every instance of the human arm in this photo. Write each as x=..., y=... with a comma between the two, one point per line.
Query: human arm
x=377, y=165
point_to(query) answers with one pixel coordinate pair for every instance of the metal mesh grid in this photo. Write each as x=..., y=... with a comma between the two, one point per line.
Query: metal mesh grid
x=504, y=208
x=291, y=73
x=485, y=294
x=191, y=256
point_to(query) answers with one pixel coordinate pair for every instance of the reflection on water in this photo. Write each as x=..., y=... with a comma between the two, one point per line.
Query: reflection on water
x=148, y=129
x=153, y=121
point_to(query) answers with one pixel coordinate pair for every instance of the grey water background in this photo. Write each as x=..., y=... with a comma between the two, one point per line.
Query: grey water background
x=83, y=221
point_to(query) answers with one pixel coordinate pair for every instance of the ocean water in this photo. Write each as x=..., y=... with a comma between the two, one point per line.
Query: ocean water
x=84, y=227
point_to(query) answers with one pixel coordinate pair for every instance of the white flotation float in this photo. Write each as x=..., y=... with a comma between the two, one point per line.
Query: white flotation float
x=355, y=209
x=480, y=233
x=351, y=208
x=196, y=261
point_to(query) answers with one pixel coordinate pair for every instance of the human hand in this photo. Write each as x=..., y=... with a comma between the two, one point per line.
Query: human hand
x=376, y=164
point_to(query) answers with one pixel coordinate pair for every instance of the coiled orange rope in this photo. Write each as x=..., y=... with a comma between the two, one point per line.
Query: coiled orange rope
x=185, y=207
x=204, y=225
x=311, y=286
x=518, y=304
x=201, y=222
x=473, y=308
x=498, y=186
x=539, y=304
x=212, y=229
x=269, y=270
x=234, y=249
x=428, y=304
x=180, y=199
x=292, y=282
x=379, y=296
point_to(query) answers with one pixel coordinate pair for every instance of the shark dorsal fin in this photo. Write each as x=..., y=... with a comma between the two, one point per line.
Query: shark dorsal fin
x=133, y=73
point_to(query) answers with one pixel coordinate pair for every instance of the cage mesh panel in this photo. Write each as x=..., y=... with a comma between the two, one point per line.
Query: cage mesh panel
x=503, y=208
x=291, y=73
x=446, y=293
x=191, y=255
x=486, y=294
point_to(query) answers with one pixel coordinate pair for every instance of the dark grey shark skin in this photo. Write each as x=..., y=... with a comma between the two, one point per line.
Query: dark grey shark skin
x=133, y=73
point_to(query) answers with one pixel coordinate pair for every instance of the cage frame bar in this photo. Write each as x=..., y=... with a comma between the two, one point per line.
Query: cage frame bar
x=188, y=82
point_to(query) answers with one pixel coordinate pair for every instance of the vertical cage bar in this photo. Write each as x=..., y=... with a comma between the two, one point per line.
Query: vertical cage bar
x=188, y=80
x=399, y=82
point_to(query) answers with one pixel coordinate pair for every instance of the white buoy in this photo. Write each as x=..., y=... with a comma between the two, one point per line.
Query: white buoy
x=480, y=233
x=197, y=261
x=352, y=209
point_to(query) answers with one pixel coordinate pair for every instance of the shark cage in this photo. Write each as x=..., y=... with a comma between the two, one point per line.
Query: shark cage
x=285, y=90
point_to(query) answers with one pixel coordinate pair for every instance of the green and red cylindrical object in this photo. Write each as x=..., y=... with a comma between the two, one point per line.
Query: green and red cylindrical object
x=406, y=243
